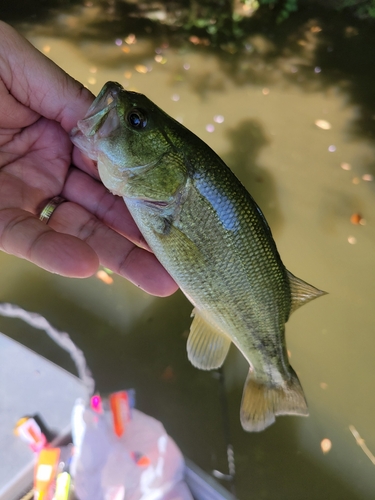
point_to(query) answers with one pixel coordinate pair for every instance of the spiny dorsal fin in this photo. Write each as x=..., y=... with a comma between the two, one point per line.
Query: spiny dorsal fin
x=301, y=292
x=207, y=346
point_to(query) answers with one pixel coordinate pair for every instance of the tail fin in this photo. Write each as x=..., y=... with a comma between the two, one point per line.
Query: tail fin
x=261, y=403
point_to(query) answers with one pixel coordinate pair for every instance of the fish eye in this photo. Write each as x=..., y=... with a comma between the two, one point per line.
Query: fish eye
x=137, y=118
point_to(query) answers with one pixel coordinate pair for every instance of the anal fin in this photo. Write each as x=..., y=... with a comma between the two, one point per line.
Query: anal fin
x=207, y=345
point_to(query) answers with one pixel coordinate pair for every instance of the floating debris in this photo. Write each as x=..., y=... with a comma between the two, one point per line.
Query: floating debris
x=175, y=97
x=361, y=443
x=357, y=219
x=125, y=49
x=315, y=29
x=326, y=445
x=141, y=68
x=210, y=128
x=219, y=118
x=346, y=166
x=195, y=40
x=160, y=59
x=352, y=240
x=118, y=42
x=128, y=74
x=103, y=276
x=265, y=91
x=356, y=180
x=131, y=39
x=46, y=49
x=323, y=124
x=332, y=148
x=93, y=69
x=317, y=69
x=199, y=41
x=323, y=385
x=92, y=80
x=186, y=66
x=368, y=177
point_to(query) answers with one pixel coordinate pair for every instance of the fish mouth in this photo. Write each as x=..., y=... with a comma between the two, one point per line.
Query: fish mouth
x=99, y=122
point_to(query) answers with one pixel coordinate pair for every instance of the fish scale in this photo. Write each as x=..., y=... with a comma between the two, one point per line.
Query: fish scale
x=213, y=239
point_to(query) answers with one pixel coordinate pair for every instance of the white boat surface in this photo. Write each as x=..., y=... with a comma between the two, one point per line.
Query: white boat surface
x=28, y=386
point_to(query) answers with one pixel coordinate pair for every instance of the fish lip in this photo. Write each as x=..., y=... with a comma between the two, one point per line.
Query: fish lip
x=100, y=108
x=100, y=120
x=102, y=105
x=106, y=99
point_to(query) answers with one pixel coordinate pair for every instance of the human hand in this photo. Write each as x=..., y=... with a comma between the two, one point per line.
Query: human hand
x=40, y=104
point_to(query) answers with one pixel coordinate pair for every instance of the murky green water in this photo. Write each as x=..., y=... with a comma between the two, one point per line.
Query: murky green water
x=258, y=109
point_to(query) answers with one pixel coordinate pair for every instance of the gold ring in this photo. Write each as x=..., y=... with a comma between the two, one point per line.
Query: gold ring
x=51, y=206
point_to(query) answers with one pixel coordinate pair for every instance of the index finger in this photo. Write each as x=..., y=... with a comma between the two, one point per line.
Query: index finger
x=38, y=83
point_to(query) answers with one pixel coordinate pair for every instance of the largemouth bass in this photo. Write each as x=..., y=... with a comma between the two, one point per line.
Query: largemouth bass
x=211, y=236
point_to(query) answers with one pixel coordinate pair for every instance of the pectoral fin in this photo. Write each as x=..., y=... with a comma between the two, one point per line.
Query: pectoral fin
x=207, y=346
x=301, y=292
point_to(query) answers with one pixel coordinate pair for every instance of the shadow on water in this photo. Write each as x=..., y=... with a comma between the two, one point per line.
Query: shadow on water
x=247, y=140
x=185, y=399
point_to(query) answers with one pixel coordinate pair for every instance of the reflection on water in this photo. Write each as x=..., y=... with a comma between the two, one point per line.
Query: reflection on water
x=313, y=184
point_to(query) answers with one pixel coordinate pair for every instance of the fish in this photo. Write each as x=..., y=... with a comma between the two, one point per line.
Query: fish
x=211, y=236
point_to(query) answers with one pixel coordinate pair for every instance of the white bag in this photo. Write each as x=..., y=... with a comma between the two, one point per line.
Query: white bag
x=143, y=464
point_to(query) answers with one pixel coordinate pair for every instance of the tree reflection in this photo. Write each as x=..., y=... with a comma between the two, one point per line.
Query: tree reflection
x=308, y=50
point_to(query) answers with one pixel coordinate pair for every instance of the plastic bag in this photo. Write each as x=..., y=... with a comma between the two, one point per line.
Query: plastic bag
x=143, y=464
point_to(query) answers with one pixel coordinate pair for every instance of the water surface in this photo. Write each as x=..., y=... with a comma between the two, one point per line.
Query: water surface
x=261, y=107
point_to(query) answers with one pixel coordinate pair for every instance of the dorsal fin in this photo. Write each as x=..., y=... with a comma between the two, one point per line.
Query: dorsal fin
x=301, y=292
x=207, y=346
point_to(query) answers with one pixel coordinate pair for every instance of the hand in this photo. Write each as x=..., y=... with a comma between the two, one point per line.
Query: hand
x=39, y=105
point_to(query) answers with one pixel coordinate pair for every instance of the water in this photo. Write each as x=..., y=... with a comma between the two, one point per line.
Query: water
x=258, y=109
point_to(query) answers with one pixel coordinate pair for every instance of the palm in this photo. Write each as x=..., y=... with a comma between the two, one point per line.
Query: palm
x=36, y=158
x=34, y=164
